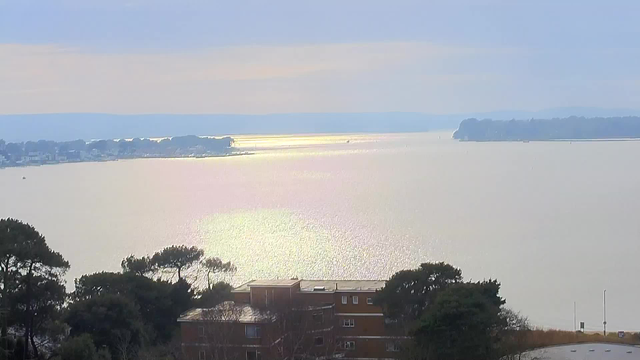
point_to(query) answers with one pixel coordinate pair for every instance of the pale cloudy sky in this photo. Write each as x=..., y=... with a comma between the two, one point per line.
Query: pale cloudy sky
x=197, y=56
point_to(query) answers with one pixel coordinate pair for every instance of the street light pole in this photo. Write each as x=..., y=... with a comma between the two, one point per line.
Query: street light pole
x=604, y=312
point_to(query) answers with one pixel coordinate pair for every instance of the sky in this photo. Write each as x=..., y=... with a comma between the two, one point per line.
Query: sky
x=288, y=56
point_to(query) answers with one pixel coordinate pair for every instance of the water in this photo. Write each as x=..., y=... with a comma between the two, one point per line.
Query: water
x=555, y=222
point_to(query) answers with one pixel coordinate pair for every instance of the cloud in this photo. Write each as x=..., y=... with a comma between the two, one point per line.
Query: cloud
x=391, y=76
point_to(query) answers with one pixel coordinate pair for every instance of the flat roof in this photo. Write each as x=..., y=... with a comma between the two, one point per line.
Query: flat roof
x=310, y=285
x=227, y=311
x=342, y=285
x=277, y=282
x=265, y=283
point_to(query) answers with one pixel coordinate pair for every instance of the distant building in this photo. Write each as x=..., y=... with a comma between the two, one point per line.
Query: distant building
x=294, y=319
x=33, y=156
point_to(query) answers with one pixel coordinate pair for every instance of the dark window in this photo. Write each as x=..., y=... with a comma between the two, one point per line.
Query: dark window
x=202, y=355
x=252, y=331
x=349, y=345
x=254, y=355
x=201, y=331
x=393, y=346
x=318, y=318
x=348, y=323
x=319, y=341
x=369, y=301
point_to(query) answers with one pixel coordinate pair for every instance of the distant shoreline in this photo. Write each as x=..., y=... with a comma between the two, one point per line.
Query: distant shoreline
x=565, y=129
x=47, y=152
x=126, y=158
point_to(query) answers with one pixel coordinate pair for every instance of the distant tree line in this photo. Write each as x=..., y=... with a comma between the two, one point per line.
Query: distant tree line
x=137, y=147
x=551, y=129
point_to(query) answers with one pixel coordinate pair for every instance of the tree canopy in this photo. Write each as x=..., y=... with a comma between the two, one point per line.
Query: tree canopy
x=159, y=302
x=140, y=266
x=213, y=266
x=408, y=292
x=78, y=348
x=117, y=313
x=462, y=323
x=107, y=318
x=177, y=258
x=31, y=278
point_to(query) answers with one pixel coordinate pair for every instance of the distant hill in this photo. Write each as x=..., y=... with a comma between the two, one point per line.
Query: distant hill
x=571, y=128
x=65, y=127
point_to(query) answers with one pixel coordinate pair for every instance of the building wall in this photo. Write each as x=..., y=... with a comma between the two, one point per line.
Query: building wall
x=207, y=336
x=262, y=297
x=317, y=298
x=364, y=325
x=361, y=307
x=369, y=348
x=370, y=332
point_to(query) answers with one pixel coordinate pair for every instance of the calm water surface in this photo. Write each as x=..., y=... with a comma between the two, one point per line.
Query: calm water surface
x=555, y=222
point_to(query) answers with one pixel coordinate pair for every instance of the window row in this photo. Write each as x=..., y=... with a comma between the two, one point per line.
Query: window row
x=250, y=331
x=318, y=341
x=355, y=300
x=250, y=355
x=348, y=323
x=351, y=345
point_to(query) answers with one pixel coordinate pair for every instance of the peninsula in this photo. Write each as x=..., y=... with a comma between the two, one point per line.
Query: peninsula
x=570, y=128
x=51, y=152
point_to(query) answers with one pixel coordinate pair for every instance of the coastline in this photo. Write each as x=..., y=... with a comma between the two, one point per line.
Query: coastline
x=204, y=156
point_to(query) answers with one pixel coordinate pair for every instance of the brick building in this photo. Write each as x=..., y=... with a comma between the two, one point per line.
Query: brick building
x=293, y=319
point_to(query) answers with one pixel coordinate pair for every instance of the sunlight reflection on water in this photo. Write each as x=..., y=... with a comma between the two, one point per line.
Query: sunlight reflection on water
x=537, y=216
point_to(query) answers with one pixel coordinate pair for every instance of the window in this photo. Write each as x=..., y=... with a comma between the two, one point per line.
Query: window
x=349, y=345
x=318, y=341
x=348, y=323
x=393, y=347
x=318, y=318
x=252, y=331
x=369, y=301
x=201, y=331
x=344, y=299
x=354, y=299
x=254, y=355
x=202, y=355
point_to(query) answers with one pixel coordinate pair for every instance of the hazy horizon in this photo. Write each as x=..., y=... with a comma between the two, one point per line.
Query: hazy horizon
x=247, y=57
x=72, y=126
